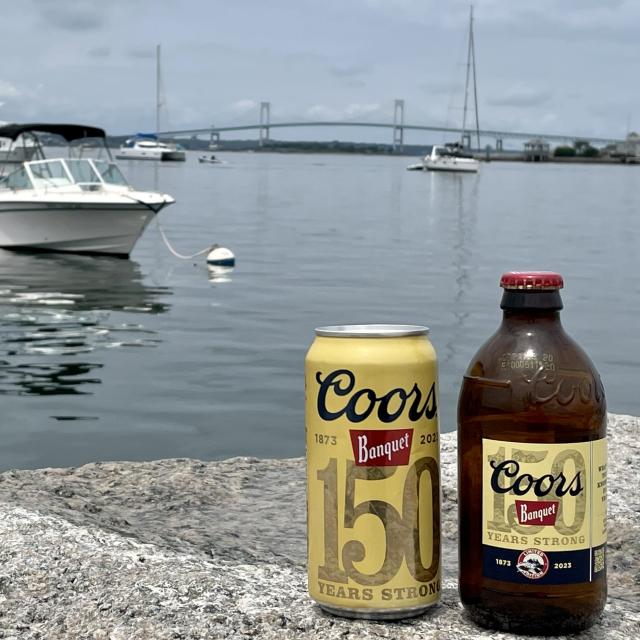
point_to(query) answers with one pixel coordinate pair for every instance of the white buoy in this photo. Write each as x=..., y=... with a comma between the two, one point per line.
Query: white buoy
x=221, y=257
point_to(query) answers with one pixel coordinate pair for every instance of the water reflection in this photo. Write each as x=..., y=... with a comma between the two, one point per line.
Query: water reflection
x=57, y=310
x=459, y=195
x=218, y=274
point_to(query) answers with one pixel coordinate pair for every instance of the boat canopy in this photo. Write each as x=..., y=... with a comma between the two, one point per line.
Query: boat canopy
x=148, y=136
x=69, y=132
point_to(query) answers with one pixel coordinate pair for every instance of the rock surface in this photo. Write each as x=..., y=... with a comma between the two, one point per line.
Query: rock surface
x=186, y=549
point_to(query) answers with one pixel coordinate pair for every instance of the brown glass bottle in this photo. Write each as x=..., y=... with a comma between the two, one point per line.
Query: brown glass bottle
x=532, y=471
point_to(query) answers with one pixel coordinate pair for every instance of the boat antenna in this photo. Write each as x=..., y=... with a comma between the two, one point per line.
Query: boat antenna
x=158, y=93
x=471, y=67
x=466, y=85
x=475, y=85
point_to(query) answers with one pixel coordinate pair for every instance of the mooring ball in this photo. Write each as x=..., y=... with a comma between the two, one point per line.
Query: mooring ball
x=222, y=257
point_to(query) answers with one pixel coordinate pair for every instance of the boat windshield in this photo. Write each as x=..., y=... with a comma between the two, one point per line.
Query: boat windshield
x=451, y=152
x=82, y=171
x=18, y=179
x=49, y=173
x=110, y=173
x=45, y=174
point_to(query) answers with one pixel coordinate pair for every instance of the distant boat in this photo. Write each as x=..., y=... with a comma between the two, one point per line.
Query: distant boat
x=452, y=157
x=210, y=159
x=74, y=204
x=147, y=146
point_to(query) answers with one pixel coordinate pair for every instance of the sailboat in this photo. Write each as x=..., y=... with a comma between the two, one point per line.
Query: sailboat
x=452, y=157
x=147, y=146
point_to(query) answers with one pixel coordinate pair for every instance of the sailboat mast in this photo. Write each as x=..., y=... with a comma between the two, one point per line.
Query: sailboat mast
x=466, y=84
x=475, y=86
x=157, y=89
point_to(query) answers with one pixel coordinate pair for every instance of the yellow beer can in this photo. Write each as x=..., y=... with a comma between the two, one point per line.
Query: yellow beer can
x=373, y=473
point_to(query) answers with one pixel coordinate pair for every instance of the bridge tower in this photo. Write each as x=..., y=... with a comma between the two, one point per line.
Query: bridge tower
x=398, y=125
x=265, y=117
x=214, y=138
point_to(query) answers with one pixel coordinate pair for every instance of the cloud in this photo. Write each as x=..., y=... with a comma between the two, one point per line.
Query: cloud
x=72, y=15
x=350, y=76
x=244, y=105
x=350, y=112
x=443, y=87
x=521, y=95
x=142, y=53
x=7, y=90
x=361, y=110
x=351, y=71
x=99, y=52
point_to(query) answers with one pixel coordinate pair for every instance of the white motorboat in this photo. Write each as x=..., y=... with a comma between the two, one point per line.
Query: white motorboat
x=210, y=160
x=448, y=158
x=76, y=204
x=148, y=147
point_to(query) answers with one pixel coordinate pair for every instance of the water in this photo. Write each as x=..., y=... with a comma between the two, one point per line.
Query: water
x=154, y=357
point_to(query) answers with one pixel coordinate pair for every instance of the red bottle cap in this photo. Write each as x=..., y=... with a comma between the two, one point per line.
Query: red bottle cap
x=532, y=280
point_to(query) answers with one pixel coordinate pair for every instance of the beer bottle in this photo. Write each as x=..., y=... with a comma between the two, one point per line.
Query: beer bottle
x=532, y=471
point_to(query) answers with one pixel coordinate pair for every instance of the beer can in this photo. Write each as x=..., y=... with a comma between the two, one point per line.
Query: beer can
x=373, y=474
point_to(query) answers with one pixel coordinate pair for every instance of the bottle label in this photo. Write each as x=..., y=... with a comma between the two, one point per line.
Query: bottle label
x=544, y=510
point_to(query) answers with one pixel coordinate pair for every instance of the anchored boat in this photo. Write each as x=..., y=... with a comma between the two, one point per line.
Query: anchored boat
x=146, y=146
x=451, y=157
x=77, y=204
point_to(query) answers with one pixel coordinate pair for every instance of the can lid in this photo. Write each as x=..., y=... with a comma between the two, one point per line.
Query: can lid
x=371, y=331
x=532, y=280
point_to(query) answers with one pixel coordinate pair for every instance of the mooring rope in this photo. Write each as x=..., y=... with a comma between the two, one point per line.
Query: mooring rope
x=174, y=252
x=163, y=235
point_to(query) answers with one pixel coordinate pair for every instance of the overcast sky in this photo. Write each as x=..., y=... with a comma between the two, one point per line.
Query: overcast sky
x=567, y=66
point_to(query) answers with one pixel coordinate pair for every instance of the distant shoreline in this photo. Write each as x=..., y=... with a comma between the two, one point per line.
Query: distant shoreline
x=366, y=149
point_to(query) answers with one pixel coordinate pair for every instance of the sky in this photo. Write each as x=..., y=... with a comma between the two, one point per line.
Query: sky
x=563, y=66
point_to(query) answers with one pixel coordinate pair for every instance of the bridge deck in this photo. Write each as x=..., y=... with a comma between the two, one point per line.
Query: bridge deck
x=486, y=133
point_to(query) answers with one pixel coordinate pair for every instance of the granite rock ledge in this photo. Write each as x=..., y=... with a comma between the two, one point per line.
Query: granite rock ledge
x=184, y=549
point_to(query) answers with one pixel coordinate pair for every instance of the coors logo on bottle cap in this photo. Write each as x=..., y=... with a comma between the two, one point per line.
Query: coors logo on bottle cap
x=532, y=280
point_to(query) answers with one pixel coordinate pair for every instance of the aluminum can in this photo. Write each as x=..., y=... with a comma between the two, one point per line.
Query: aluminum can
x=373, y=473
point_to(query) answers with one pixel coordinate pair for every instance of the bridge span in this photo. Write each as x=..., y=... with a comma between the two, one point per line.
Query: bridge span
x=398, y=128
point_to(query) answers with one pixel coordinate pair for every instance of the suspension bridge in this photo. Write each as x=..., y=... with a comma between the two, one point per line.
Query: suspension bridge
x=398, y=128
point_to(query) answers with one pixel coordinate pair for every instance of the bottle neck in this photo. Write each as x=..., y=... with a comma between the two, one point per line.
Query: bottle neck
x=536, y=306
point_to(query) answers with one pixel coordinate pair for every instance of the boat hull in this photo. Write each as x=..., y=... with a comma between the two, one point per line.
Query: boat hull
x=173, y=156
x=99, y=228
x=162, y=155
x=452, y=166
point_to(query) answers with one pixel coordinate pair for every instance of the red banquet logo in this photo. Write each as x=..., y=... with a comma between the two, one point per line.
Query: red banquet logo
x=537, y=512
x=381, y=447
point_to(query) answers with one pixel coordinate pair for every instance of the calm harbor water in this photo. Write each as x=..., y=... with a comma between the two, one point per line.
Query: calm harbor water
x=155, y=357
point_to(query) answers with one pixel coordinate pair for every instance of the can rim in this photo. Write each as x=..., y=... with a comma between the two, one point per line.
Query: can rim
x=372, y=331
